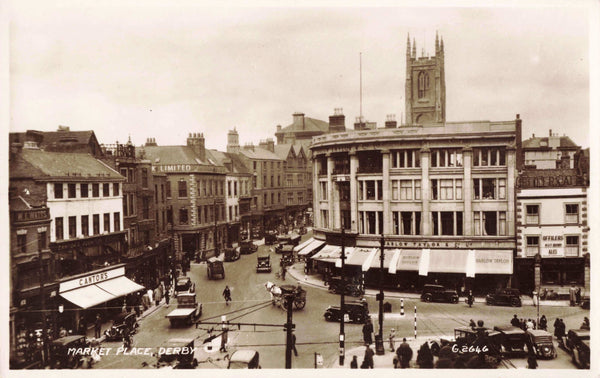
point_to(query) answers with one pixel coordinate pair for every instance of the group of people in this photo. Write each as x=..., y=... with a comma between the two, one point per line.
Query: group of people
x=529, y=323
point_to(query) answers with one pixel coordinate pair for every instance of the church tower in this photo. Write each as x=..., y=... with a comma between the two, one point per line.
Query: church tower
x=425, y=85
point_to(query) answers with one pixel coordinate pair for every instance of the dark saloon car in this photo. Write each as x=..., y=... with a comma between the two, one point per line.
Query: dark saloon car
x=247, y=247
x=356, y=312
x=509, y=297
x=438, y=293
x=512, y=340
x=578, y=344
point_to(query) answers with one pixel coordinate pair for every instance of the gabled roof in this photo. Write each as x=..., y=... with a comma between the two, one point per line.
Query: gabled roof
x=64, y=165
x=172, y=155
x=310, y=125
x=284, y=150
x=232, y=162
x=542, y=142
x=51, y=140
x=259, y=153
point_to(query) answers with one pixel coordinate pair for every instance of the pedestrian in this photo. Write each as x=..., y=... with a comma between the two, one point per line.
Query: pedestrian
x=150, y=296
x=157, y=295
x=523, y=324
x=578, y=296
x=368, y=361
x=472, y=324
x=354, y=363
x=227, y=295
x=391, y=338
x=404, y=354
x=470, y=298
x=425, y=357
x=532, y=361
x=543, y=323
x=585, y=324
x=515, y=321
x=97, y=326
x=572, y=291
x=367, y=331
x=529, y=324
x=62, y=332
x=224, y=338
x=294, y=344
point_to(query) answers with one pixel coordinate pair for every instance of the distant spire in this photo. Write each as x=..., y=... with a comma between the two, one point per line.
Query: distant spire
x=414, y=48
x=437, y=45
x=442, y=44
x=408, y=47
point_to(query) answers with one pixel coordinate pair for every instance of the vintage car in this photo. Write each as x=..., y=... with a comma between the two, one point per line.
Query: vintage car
x=467, y=338
x=247, y=247
x=124, y=324
x=214, y=267
x=244, y=359
x=355, y=312
x=510, y=297
x=352, y=287
x=541, y=343
x=59, y=356
x=577, y=344
x=184, y=285
x=263, y=264
x=187, y=312
x=177, y=354
x=438, y=293
x=270, y=238
x=512, y=340
x=231, y=254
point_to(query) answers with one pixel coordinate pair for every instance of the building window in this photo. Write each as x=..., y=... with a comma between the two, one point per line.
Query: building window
x=485, y=189
x=125, y=205
x=489, y=156
x=22, y=243
x=58, y=190
x=406, y=190
x=144, y=177
x=572, y=246
x=571, y=213
x=279, y=198
x=169, y=189
x=533, y=245
x=272, y=198
x=132, y=204
x=417, y=189
x=96, y=190
x=131, y=175
x=235, y=188
x=59, y=228
x=107, y=222
x=72, y=227
x=533, y=214
x=72, y=190
x=446, y=189
x=446, y=157
x=96, y=223
x=183, y=216
x=423, y=82
x=85, y=190
x=490, y=223
x=458, y=187
x=105, y=190
x=123, y=172
x=117, y=221
x=182, y=188
x=502, y=223
x=406, y=158
x=434, y=189
x=407, y=222
x=42, y=240
x=323, y=185
x=116, y=191
x=85, y=225
x=145, y=208
x=325, y=218
x=447, y=222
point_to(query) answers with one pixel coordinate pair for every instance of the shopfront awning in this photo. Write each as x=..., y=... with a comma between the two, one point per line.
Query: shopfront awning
x=408, y=260
x=493, y=261
x=300, y=246
x=100, y=286
x=466, y=261
x=362, y=257
x=448, y=260
x=329, y=253
x=310, y=248
x=387, y=259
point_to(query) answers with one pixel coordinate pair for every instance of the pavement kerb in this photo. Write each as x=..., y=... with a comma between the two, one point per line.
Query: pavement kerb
x=297, y=272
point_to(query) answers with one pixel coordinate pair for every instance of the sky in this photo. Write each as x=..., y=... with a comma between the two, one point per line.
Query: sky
x=163, y=71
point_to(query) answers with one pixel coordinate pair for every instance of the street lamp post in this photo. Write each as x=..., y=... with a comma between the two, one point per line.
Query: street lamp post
x=379, y=348
x=342, y=304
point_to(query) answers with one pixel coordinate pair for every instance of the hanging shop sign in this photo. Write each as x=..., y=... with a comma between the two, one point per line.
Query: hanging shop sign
x=92, y=278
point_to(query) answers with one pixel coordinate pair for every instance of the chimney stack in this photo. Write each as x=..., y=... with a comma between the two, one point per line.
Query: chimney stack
x=196, y=141
x=299, y=120
x=150, y=142
x=233, y=141
x=337, y=121
x=390, y=121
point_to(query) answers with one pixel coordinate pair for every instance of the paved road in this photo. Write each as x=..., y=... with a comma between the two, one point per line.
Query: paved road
x=251, y=304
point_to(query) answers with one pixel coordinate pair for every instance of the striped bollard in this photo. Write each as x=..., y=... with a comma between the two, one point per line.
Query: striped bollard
x=415, y=322
x=402, y=307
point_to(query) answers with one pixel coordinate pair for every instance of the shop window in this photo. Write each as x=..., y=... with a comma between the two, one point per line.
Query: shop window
x=59, y=228
x=95, y=190
x=85, y=190
x=85, y=225
x=182, y=188
x=551, y=276
x=533, y=214
x=533, y=246
x=572, y=245
x=58, y=190
x=72, y=227
x=183, y=216
x=96, y=224
x=571, y=213
x=72, y=190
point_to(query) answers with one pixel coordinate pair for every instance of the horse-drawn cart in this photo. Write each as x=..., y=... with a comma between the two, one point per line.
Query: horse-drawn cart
x=279, y=294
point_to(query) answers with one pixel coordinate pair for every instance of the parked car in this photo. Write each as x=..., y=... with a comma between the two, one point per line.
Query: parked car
x=585, y=303
x=263, y=264
x=123, y=324
x=578, y=345
x=355, y=311
x=351, y=287
x=187, y=312
x=231, y=254
x=184, y=285
x=542, y=344
x=438, y=293
x=59, y=351
x=270, y=238
x=247, y=247
x=512, y=340
x=214, y=267
x=178, y=354
x=244, y=359
x=511, y=297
